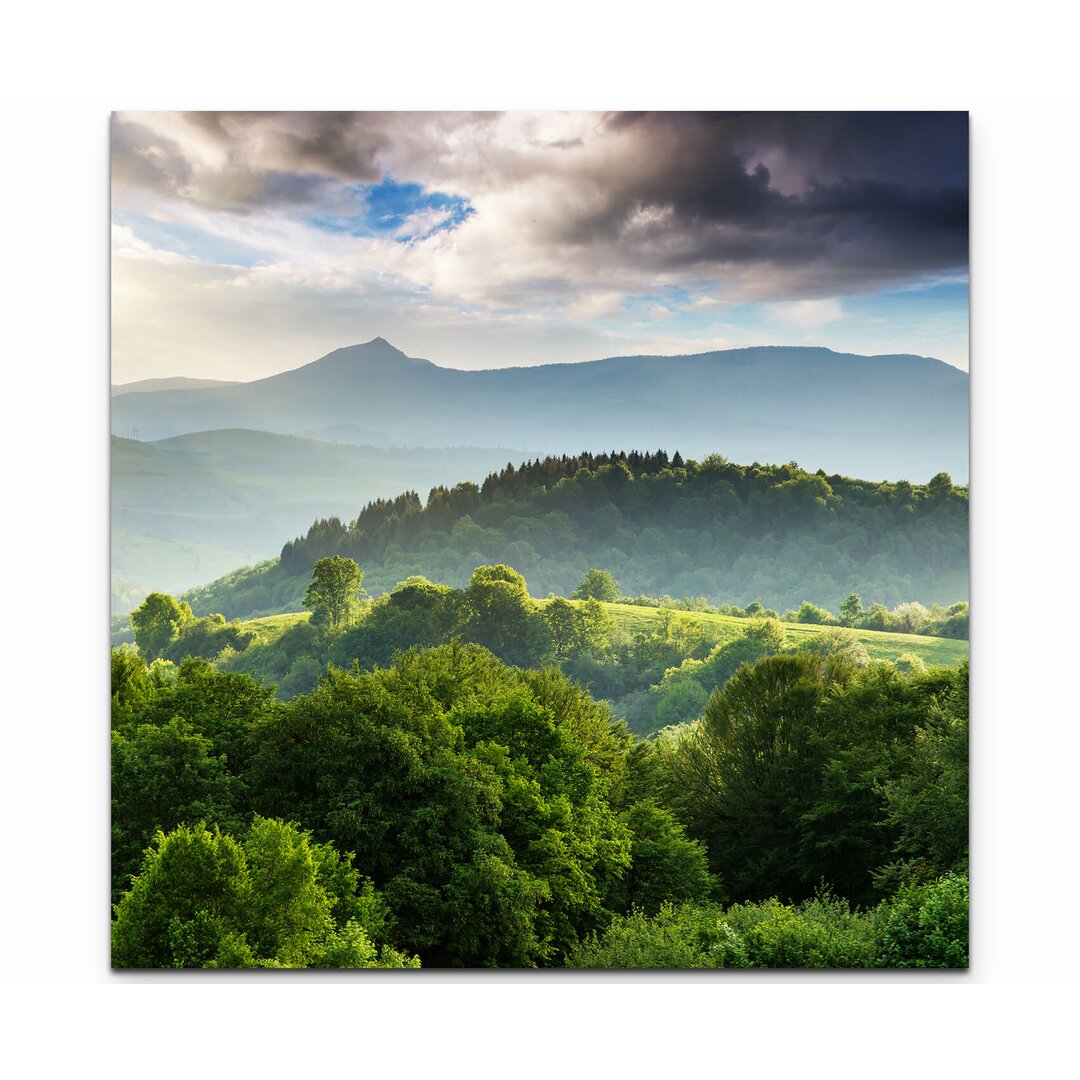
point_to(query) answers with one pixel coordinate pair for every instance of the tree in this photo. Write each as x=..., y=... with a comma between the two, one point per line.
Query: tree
x=372, y=763
x=578, y=631
x=162, y=776
x=665, y=866
x=748, y=771
x=811, y=613
x=837, y=642
x=334, y=592
x=157, y=622
x=851, y=609
x=910, y=617
x=768, y=632
x=205, y=899
x=928, y=803
x=501, y=616
x=598, y=585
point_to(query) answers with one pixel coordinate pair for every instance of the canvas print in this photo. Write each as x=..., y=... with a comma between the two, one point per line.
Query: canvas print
x=539, y=540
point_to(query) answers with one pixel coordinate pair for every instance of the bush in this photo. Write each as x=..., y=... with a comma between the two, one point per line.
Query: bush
x=909, y=618
x=676, y=937
x=768, y=632
x=926, y=926
x=819, y=933
x=811, y=613
x=837, y=642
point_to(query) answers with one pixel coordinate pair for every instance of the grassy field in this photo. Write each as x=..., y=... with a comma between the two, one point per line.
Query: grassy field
x=270, y=627
x=632, y=619
x=878, y=644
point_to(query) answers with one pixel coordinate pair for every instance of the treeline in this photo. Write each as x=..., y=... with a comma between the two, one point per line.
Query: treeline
x=664, y=525
x=451, y=810
x=654, y=677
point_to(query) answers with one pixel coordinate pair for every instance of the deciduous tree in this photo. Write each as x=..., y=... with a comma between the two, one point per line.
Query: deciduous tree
x=334, y=592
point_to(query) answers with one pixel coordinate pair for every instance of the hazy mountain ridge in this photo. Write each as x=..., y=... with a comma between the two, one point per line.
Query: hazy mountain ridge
x=893, y=416
x=178, y=382
x=203, y=503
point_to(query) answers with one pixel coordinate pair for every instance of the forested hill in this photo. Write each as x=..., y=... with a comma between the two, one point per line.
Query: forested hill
x=662, y=525
x=875, y=416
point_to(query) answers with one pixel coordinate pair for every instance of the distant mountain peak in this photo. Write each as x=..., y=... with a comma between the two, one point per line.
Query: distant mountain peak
x=377, y=348
x=378, y=345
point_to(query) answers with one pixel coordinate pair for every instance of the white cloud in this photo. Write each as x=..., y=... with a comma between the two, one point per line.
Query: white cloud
x=809, y=314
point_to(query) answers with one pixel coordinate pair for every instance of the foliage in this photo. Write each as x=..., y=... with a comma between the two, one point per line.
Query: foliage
x=926, y=926
x=207, y=638
x=500, y=615
x=597, y=585
x=334, y=592
x=837, y=643
x=768, y=633
x=157, y=622
x=851, y=609
x=205, y=899
x=713, y=529
x=811, y=613
x=474, y=795
x=750, y=768
x=162, y=776
x=927, y=804
x=910, y=617
x=665, y=866
x=674, y=938
x=822, y=932
x=501, y=815
x=788, y=776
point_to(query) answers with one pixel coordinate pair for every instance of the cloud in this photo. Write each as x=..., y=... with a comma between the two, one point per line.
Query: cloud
x=563, y=219
x=809, y=313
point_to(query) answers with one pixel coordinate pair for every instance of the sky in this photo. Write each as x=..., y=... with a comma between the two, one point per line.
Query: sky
x=244, y=244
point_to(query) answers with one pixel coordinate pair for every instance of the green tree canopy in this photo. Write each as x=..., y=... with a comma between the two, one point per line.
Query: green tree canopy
x=851, y=609
x=334, y=592
x=665, y=866
x=162, y=776
x=205, y=899
x=500, y=615
x=157, y=622
x=597, y=585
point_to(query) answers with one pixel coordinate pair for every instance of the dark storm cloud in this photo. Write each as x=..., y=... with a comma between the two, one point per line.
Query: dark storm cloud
x=245, y=160
x=842, y=199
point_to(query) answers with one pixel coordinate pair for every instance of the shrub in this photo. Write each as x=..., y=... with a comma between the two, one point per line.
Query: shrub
x=909, y=618
x=822, y=932
x=811, y=613
x=676, y=937
x=926, y=926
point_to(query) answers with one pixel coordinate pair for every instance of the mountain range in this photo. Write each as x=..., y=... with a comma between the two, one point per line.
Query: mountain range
x=188, y=509
x=178, y=382
x=875, y=417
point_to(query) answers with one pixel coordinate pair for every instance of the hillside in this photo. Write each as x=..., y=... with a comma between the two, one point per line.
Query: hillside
x=180, y=382
x=630, y=619
x=881, y=417
x=662, y=526
x=189, y=509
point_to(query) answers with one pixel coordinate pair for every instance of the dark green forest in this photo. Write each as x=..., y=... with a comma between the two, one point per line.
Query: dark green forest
x=444, y=792
x=727, y=533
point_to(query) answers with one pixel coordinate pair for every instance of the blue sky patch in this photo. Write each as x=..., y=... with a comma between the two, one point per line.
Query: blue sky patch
x=385, y=207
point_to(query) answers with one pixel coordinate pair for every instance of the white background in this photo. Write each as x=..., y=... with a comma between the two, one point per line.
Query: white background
x=64, y=70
